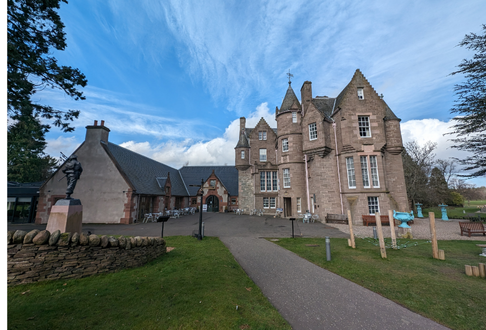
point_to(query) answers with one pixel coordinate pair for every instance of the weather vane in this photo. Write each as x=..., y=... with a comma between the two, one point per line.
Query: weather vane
x=290, y=76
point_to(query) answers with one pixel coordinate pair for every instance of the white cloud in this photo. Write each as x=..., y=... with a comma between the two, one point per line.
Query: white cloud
x=218, y=151
x=66, y=145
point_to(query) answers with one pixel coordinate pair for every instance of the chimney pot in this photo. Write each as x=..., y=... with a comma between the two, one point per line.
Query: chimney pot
x=96, y=123
x=102, y=123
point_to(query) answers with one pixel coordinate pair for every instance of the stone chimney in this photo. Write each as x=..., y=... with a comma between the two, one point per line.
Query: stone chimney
x=97, y=133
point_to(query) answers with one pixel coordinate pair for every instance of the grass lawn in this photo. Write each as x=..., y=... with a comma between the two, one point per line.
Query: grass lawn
x=459, y=212
x=195, y=286
x=437, y=289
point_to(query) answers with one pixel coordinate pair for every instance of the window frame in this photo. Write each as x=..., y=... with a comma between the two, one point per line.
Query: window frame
x=263, y=154
x=285, y=145
x=312, y=131
x=364, y=127
x=374, y=171
x=262, y=135
x=372, y=204
x=350, y=172
x=363, y=160
x=286, y=178
x=294, y=117
x=360, y=93
x=266, y=202
x=242, y=154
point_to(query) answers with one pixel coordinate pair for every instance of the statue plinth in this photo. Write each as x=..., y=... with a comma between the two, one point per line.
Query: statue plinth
x=66, y=216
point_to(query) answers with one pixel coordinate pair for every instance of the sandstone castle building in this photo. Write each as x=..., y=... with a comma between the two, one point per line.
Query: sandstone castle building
x=326, y=155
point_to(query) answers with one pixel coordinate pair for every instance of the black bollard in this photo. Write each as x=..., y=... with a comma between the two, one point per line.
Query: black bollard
x=292, y=219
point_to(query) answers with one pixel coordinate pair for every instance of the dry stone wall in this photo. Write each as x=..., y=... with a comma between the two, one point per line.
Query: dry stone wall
x=41, y=256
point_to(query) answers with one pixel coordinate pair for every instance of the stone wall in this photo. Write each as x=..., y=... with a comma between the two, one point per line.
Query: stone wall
x=41, y=256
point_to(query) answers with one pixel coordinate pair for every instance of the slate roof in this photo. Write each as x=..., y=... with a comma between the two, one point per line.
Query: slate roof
x=142, y=172
x=228, y=175
x=324, y=105
x=289, y=100
x=148, y=177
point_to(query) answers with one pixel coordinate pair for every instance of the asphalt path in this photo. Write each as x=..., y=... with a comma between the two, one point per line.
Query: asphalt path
x=307, y=296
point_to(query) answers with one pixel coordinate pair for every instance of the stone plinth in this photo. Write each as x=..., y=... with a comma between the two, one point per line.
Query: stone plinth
x=66, y=216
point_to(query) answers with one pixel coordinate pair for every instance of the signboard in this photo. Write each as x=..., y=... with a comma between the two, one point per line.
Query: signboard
x=205, y=207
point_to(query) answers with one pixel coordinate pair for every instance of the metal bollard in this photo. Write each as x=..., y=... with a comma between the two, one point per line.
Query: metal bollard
x=375, y=235
x=328, y=248
x=202, y=230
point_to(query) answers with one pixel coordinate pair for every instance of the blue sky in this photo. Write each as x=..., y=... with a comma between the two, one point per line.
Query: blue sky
x=171, y=78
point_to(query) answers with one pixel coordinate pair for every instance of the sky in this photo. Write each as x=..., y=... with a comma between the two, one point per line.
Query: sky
x=172, y=78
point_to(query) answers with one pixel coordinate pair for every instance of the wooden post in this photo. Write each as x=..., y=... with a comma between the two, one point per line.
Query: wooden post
x=392, y=229
x=380, y=235
x=435, y=248
x=350, y=223
x=482, y=270
x=475, y=270
x=468, y=270
x=441, y=255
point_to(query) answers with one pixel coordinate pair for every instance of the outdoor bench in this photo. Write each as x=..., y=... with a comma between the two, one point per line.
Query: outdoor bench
x=472, y=228
x=336, y=218
x=370, y=219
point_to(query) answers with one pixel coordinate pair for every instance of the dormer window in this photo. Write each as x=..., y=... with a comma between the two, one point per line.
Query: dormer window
x=262, y=135
x=360, y=93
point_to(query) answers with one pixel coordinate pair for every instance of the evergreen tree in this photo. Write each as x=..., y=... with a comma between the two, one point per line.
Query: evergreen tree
x=25, y=151
x=470, y=106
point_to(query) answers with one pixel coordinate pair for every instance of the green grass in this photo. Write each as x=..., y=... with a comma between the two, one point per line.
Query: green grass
x=195, y=286
x=437, y=289
x=466, y=212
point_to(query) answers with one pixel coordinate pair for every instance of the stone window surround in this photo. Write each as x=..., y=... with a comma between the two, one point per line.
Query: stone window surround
x=312, y=131
x=262, y=135
x=373, y=172
x=263, y=154
x=350, y=172
x=286, y=177
x=269, y=203
x=285, y=145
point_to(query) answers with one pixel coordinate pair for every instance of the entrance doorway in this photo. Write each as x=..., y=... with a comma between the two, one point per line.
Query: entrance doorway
x=287, y=207
x=212, y=203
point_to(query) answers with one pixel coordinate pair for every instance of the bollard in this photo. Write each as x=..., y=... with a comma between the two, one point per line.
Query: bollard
x=328, y=248
x=375, y=236
x=292, y=219
x=202, y=230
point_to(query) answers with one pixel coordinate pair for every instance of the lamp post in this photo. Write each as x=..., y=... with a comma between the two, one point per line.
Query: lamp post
x=199, y=236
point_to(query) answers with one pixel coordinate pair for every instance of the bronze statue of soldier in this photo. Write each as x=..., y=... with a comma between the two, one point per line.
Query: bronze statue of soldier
x=73, y=171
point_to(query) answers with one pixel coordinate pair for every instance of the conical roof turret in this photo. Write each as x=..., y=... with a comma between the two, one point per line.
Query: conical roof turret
x=290, y=101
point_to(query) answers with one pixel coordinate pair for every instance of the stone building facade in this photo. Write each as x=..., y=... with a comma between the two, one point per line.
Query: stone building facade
x=327, y=155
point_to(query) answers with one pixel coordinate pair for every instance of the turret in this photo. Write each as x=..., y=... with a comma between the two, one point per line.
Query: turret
x=242, y=149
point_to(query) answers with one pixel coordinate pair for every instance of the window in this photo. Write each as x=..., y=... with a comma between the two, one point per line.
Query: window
x=286, y=177
x=351, y=173
x=242, y=154
x=274, y=181
x=373, y=169
x=364, y=171
x=285, y=145
x=233, y=201
x=194, y=201
x=360, y=93
x=364, y=126
x=265, y=202
x=263, y=155
x=299, y=205
x=374, y=172
x=272, y=202
x=268, y=181
x=294, y=117
x=312, y=131
x=262, y=135
x=212, y=183
x=373, y=205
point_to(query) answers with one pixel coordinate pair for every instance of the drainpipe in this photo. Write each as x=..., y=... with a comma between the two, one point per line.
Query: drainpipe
x=307, y=183
x=337, y=163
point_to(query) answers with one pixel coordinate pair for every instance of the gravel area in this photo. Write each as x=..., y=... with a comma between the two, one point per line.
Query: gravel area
x=445, y=230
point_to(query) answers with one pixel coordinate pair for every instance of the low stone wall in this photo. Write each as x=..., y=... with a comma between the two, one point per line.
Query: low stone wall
x=41, y=256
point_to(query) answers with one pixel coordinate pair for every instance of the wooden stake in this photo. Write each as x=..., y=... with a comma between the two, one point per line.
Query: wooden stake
x=392, y=229
x=482, y=270
x=475, y=270
x=380, y=235
x=441, y=255
x=350, y=223
x=435, y=248
x=468, y=270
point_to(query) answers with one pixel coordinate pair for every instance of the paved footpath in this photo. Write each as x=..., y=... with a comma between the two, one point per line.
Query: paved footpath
x=310, y=297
